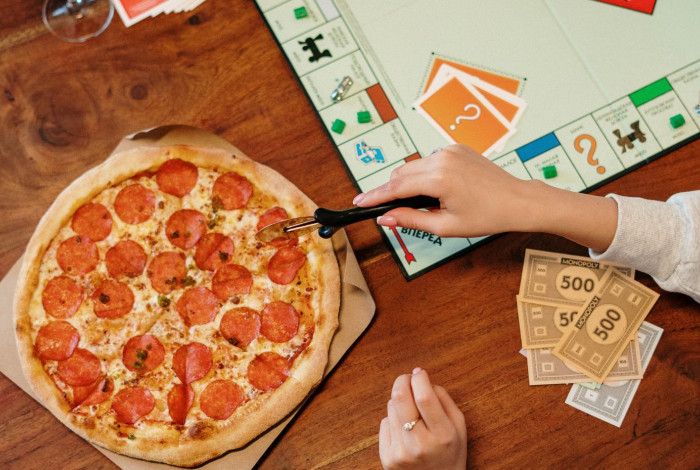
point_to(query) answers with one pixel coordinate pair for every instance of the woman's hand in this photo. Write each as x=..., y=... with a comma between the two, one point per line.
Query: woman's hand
x=479, y=198
x=438, y=439
x=476, y=196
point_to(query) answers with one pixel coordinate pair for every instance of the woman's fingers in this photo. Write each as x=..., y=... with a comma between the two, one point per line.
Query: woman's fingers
x=412, y=168
x=452, y=410
x=396, y=189
x=401, y=408
x=428, y=403
x=429, y=221
x=400, y=186
x=384, y=439
x=438, y=439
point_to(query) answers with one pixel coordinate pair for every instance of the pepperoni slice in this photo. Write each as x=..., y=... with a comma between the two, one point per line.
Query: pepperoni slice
x=135, y=204
x=176, y=177
x=191, y=362
x=143, y=353
x=93, y=221
x=221, y=398
x=112, y=299
x=232, y=191
x=180, y=399
x=271, y=216
x=279, y=242
x=93, y=394
x=230, y=280
x=268, y=371
x=126, y=258
x=197, y=306
x=56, y=341
x=62, y=297
x=82, y=368
x=77, y=255
x=240, y=326
x=167, y=271
x=185, y=227
x=213, y=250
x=132, y=403
x=285, y=264
x=279, y=321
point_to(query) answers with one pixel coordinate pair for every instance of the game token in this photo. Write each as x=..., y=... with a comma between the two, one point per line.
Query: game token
x=677, y=121
x=341, y=89
x=300, y=13
x=364, y=117
x=549, y=172
x=338, y=126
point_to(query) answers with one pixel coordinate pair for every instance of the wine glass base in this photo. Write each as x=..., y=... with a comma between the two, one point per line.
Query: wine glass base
x=77, y=20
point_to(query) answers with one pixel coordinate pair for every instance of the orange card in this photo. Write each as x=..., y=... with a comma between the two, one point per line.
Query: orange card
x=509, y=105
x=507, y=109
x=462, y=115
x=135, y=8
x=509, y=84
x=133, y=11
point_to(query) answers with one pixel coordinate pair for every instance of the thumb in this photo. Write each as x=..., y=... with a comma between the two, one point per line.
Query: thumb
x=429, y=221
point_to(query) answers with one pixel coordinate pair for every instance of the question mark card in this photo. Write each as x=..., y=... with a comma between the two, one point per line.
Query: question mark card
x=508, y=83
x=463, y=115
x=509, y=105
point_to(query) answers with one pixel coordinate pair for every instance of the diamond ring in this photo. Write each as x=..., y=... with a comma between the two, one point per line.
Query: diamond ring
x=410, y=425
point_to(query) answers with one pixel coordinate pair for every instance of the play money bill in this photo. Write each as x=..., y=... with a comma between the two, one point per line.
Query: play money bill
x=541, y=325
x=611, y=401
x=608, y=320
x=562, y=279
x=544, y=368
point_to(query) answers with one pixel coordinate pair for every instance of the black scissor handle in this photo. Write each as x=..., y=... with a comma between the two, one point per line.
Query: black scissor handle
x=332, y=220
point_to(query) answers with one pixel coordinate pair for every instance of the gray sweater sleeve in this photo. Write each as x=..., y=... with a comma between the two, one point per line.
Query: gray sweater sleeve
x=661, y=239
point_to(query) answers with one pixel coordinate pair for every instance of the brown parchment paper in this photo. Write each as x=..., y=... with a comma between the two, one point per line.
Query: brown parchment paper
x=356, y=310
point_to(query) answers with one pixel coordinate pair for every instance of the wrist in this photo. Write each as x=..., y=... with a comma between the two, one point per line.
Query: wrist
x=534, y=213
x=586, y=219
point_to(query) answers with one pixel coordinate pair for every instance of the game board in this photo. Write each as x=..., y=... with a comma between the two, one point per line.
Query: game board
x=596, y=89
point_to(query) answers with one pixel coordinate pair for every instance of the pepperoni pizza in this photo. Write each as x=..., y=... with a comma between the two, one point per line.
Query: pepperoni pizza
x=151, y=322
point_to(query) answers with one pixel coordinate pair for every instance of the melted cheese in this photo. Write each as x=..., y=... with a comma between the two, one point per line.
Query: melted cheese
x=106, y=337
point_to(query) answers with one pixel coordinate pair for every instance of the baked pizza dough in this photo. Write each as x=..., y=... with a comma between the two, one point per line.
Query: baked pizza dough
x=149, y=319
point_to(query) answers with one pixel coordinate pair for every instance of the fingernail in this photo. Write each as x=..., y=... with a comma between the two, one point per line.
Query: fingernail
x=416, y=370
x=386, y=220
x=358, y=198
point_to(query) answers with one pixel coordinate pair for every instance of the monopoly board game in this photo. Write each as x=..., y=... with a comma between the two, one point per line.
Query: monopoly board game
x=572, y=92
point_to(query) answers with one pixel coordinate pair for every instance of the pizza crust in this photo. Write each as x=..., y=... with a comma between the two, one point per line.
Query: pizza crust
x=270, y=408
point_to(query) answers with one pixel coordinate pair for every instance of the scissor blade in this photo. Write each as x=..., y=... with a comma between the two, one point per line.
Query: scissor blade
x=287, y=229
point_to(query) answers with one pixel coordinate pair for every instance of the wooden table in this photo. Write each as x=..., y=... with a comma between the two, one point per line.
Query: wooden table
x=63, y=107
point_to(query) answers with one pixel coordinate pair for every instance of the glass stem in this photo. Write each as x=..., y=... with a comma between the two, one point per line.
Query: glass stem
x=74, y=6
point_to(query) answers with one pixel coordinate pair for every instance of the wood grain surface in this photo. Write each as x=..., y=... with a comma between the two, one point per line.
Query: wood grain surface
x=63, y=108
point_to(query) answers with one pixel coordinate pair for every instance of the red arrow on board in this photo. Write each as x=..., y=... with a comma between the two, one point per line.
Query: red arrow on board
x=407, y=254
